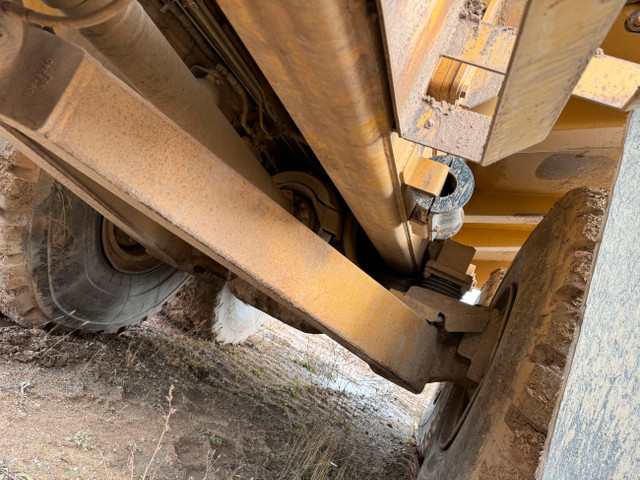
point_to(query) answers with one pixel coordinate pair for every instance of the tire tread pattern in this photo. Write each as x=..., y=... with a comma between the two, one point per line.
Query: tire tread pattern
x=505, y=432
x=18, y=300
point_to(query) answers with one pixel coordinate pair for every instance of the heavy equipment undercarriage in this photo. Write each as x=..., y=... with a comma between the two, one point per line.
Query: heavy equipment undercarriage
x=351, y=168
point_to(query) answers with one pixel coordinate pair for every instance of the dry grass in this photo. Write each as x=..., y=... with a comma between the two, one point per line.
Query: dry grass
x=319, y=452
x=165, y=429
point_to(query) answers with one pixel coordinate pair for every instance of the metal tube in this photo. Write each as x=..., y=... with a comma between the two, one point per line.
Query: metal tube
x=137, y=48
x=324, y=60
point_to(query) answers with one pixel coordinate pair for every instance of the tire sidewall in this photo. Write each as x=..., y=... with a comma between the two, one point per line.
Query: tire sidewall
x=74, y=283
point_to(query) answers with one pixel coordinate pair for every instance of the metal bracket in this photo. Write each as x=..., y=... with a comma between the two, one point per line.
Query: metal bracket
x=426, y=175
x=610, y=81
x=472, y=331
x=540, y=71
x=441, y=216
x=451, y=314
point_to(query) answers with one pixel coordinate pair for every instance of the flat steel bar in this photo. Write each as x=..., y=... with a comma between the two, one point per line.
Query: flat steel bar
x=610, y=81
x=482, y=45
x=325, y=61
x=141, y=156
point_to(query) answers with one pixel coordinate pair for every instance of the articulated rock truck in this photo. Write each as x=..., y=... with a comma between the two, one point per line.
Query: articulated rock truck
x=351, y=168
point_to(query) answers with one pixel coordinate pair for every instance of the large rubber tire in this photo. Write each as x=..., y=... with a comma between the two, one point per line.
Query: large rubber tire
x=52, y=264
x=502, y=433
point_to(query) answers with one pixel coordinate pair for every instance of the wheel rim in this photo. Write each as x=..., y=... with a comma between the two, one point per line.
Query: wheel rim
x=124, y=253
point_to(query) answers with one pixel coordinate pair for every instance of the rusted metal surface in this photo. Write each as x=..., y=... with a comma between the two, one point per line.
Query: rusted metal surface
x=324, y=60
x=146, y=160
x=610, y=81
x=137, y=48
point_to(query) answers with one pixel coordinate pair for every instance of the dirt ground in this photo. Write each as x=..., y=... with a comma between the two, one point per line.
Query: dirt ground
x=155, y=402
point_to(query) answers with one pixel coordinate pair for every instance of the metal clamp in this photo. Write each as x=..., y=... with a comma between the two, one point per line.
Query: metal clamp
x=441, y=217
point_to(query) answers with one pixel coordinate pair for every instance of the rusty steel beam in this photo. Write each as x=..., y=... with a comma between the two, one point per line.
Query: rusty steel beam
x=140, y=52
x=53, y=93
x=324, y=60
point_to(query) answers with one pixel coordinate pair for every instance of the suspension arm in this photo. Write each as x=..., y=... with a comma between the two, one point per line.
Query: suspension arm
x=65, y=101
